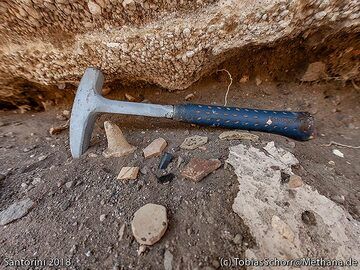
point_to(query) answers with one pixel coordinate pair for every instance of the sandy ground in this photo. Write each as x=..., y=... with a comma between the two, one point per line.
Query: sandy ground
x=65, y=222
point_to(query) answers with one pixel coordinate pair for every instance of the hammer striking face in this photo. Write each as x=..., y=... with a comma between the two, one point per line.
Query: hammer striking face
x=89, y=102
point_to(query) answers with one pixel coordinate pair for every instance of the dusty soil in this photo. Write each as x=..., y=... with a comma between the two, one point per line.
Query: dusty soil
x=65, y=221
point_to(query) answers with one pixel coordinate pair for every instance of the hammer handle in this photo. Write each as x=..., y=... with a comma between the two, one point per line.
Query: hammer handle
x=296, y=125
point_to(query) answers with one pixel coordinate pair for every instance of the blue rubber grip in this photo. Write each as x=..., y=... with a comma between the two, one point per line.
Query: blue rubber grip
x=296, y=125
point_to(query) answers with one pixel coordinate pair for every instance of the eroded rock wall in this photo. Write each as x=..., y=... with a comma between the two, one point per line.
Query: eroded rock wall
x=169, y=43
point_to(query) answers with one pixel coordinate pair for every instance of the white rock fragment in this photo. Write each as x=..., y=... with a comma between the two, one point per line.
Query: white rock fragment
x=236, y=135
x=338, y=153
x=155, y=148
x=117, y=144
x=149, y=224
x=15, y=211
x=128, y=173
x=102, y=217
x=121, y=232
x=193, y=142
x=168, y=258
x=141, y=250
x=189, y=54
x=94, y=8
x=186, y=32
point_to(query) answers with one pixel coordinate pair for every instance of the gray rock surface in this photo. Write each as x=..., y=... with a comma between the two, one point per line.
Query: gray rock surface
x=15, y=211
x=286, y=223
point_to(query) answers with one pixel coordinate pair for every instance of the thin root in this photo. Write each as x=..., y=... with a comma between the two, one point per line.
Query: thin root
x=228, y=89
x=340, y=144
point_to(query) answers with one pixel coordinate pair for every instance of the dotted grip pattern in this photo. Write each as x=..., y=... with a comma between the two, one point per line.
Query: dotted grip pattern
x=296, y=125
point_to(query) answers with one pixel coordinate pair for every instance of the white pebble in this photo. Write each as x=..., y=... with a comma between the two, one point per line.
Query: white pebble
x=336, y=152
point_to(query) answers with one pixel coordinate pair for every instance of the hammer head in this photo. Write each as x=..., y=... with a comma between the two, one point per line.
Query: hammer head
x=83, y=114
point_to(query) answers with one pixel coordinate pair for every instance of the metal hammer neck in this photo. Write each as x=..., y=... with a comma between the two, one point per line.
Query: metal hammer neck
x=134, y=108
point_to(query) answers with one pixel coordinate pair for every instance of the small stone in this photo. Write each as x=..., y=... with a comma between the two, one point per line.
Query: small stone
x=244, y=79
x=292, y=144
x=66, y=113
x=155, y=148
x=236, y=135
x=88, y=253
x=130, y=97
x=216, y=264
x=168, y=259
x=94, y=8
x=42, y=157
x=92, y=155
x=69, y=184
x=144, y=170
x=24, y=185
x=149, y=224
x=102, y=217
x=36, y=181
x=295, y=181
x=198, y=168
x=337, y=152
x=61, y=117
x=28, y=149
x=73, y=249
x=189, y=54
x=189, y=96
x=105, y=91
x=117, y=144
x=320, y=15
x=314, y=72
x=15, y=211
x=186, y=32
x=193, y=142
x=128, y=173
x=238, y=239
x=129, y=4
x=282, y=228
x=141, y=250
x=121, y=232
x=258, y=81
x=180, y=160
x=59, y=129
x=331, y=162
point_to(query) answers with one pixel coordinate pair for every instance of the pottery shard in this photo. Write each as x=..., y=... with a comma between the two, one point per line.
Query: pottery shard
x=117, y=144
x=128, y=173
x=193, y=142
x=149, y=224
x=198, y=168
x=236, y=135
x=155, y=148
